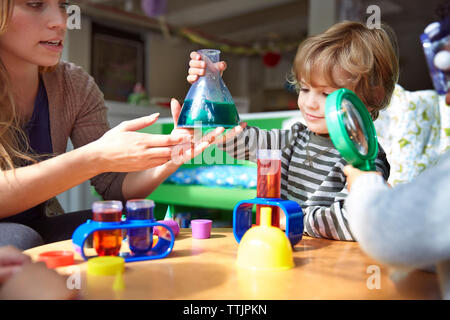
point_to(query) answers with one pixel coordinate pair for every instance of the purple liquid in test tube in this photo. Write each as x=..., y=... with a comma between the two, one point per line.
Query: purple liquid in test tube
x=140, y=239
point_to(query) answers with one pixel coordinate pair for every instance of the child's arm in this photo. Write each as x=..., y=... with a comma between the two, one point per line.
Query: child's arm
x=331, y=222
x=245, y=145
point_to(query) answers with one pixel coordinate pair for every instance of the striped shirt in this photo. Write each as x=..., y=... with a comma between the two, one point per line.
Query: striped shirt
x=311, y=174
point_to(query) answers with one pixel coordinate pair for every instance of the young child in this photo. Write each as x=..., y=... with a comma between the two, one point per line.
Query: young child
x=348, y=55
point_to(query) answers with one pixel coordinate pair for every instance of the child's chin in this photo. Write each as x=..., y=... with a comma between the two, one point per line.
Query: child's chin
x=317, y=129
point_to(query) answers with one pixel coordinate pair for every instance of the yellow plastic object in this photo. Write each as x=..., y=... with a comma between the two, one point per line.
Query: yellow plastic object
x=105, y=266
x=265, y=247
x=119, y=284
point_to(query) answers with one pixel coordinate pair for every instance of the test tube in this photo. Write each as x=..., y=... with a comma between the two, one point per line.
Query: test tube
x=140, y=239
x=269, y=181
x=107, y=242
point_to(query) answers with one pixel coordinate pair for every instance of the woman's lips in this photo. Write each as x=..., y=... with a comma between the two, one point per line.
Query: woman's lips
x=55, y=46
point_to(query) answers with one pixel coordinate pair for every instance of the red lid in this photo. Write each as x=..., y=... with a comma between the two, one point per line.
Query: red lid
x=55, y=259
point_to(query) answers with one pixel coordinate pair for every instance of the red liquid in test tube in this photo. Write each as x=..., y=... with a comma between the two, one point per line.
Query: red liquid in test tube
x=269, y=181
x=107, y=242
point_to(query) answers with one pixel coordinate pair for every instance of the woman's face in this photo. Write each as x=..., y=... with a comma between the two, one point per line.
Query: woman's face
x=35, y=33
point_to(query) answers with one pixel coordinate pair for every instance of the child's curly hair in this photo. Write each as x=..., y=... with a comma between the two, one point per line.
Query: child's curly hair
x=367, y=57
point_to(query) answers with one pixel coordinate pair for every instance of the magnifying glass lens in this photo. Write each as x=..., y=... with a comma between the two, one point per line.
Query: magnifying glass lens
x=355, y=127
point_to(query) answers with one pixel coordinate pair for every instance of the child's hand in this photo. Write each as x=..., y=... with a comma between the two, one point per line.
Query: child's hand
x=352, y=174
x=231, y=133
x=198, y=66
x=11, y=261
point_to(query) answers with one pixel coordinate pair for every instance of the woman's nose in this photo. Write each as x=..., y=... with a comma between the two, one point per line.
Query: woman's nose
x=57, y=18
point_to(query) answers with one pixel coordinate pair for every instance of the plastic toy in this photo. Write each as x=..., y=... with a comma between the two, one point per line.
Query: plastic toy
x=351, y=129
x=201, y=228
x=169, y=221
x=161, y=249
x=242, y=217
x=55, y=259
x=208, y=102
x=265, y=247
x=108, y=266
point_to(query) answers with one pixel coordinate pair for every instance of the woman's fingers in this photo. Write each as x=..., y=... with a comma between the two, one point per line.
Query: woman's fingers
x=183, y=152
x=139, y=123
x=175, y=108
x=161, y=140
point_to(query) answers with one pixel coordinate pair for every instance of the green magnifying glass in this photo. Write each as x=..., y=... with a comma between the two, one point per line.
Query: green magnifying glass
x=351, y=129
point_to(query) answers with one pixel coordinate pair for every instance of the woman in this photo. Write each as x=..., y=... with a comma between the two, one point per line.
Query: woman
x=43, y=103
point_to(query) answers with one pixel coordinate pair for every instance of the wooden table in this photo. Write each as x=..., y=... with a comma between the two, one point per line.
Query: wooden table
x=206, y=269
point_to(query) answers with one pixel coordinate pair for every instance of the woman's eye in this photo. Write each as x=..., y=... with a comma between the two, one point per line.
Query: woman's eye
x=65, y=5
x=325, y=94
x=304, y=90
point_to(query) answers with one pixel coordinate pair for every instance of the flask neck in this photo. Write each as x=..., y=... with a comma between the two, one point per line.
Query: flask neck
x=211, y=57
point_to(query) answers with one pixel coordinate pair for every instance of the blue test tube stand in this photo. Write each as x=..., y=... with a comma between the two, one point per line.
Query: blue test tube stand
x=242, y=217
x=162, y=248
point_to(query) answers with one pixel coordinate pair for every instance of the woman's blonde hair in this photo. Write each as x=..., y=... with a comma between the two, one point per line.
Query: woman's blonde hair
x=13, y=142
x=367, y=57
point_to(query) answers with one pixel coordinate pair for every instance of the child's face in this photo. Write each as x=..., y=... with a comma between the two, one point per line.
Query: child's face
x=311, y=102
x=33, y=24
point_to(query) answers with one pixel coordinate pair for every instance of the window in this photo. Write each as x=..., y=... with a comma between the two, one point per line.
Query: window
x=118, y=61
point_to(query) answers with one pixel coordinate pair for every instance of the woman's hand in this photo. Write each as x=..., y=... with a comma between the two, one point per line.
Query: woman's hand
x=197, y=67
x=11, y=261
x=197, y=144
x=121, y=149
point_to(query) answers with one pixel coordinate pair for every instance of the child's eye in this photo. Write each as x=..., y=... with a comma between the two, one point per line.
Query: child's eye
x=325, y=94
x=35, y=4
x=304, y=90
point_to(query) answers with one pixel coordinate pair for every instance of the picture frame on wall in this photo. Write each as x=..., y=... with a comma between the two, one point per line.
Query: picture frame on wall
x=118, y=62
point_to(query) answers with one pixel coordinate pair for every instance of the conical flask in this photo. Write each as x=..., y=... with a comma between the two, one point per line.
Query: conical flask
x=208, y=102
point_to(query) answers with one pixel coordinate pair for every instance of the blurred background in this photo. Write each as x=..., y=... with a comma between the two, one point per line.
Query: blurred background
x=138, y=50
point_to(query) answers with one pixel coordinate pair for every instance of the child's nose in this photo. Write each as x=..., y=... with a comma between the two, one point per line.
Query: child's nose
x=312, y=102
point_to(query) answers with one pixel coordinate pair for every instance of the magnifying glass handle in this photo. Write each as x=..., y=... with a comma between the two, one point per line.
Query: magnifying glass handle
x=367, y=166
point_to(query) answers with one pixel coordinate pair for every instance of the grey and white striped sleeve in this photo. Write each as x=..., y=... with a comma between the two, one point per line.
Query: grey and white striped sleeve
x=328, y=222
x=245, y=145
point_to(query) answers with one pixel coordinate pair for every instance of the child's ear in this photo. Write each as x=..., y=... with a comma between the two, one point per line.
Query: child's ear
x=378, y=94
